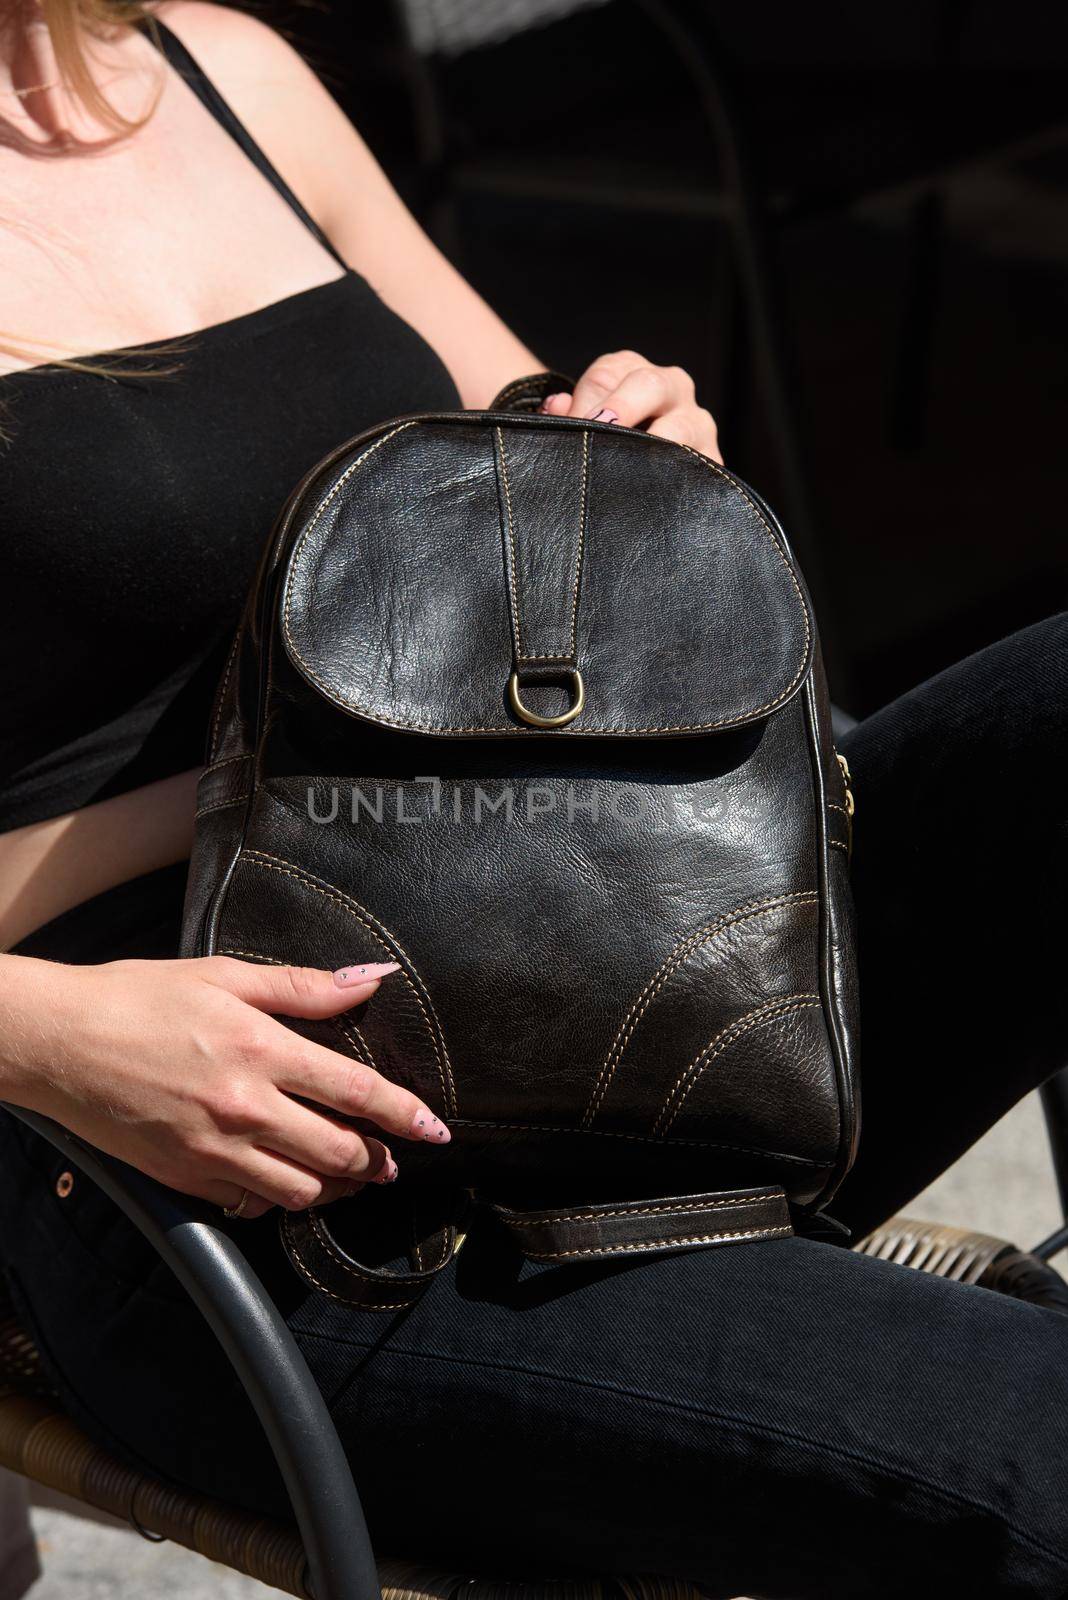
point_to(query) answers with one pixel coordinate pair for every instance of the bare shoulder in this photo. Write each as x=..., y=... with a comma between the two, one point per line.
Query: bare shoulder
x=230, y=42
x=271, y=89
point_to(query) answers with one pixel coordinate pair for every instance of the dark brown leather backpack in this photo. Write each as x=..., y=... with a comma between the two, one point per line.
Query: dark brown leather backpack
x=534, y=707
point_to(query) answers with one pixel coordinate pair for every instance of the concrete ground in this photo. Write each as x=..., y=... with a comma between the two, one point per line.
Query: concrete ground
x=1003, y=1186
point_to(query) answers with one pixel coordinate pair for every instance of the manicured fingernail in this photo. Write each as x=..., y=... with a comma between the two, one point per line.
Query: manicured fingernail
x=388, y=1173
x=606, y=414
x=425, y=1125
x=350, y=977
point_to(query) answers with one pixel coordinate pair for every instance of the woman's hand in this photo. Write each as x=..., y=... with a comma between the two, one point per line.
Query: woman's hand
x=627, y=389
x=180, y=1069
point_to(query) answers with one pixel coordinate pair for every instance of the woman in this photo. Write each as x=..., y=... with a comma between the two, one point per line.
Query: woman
x=783, y=1421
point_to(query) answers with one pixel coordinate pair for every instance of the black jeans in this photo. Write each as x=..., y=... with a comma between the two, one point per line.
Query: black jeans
x=785, y=1419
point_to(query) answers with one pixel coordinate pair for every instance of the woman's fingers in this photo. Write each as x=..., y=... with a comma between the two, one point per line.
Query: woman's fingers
x=648, y=393
x=297, y=991
x=625, y=389
x=355, y=1090
x=557, y=405
x=600, y=380
x=234, y=1197
x=325, y=1146
x=229, y=1194
x=690, y=425
x=271, y=1179
x=287, y=1183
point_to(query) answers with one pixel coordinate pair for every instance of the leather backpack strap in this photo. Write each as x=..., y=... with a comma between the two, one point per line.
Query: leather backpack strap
x=556, y=1235
x=323, y=1263
x=648, y=1227
x=529, y=394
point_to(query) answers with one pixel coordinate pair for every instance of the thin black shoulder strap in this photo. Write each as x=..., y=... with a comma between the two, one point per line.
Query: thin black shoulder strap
x=194, y=75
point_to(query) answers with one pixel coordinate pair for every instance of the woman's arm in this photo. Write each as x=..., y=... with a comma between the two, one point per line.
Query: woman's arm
x=47, y=867
x=326, y=163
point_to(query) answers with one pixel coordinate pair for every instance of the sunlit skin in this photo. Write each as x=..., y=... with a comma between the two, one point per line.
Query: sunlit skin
x=178, y=1066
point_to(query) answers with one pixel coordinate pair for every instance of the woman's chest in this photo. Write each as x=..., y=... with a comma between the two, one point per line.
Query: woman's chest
x=167, y=229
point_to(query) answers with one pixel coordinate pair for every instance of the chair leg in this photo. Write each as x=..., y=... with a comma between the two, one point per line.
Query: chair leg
x=264, y=1355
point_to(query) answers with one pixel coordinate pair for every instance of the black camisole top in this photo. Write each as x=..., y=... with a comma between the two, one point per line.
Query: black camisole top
x=133, y=514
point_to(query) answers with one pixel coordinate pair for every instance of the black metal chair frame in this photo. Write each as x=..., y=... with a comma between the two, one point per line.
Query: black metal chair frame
x=264, y=1356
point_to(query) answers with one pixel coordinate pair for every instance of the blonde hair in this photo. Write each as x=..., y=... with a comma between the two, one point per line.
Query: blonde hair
x=71, y=24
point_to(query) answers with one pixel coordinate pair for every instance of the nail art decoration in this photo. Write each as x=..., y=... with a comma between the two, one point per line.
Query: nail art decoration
x=425, y=1125
x=369, y=972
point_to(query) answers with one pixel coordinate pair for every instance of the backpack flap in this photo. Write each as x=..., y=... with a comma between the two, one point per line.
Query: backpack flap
x=495, y=577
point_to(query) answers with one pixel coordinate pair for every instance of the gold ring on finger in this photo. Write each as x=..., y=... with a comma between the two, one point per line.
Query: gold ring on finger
x=239, y=1209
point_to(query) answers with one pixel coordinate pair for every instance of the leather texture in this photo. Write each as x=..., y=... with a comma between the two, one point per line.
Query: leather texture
x=627, y=978
x=566, y=558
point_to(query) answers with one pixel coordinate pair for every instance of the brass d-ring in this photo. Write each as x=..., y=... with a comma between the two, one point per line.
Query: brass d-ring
x=549, y=722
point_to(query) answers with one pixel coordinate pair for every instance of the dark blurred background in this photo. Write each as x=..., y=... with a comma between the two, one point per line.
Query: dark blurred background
x=849, y=222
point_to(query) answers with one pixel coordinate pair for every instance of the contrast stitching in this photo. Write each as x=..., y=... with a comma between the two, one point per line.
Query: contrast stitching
x=836, y=844
x=447, y=1250
x=642, y=1211
x=583, y=497
x=276, y=864
x=221, y=698
x=353, y=1268
x=386, y=939
x=638, y=1138
x=447, y=727
x=227, y=761
x=512, y=558
x=346, y=1263
x=220, y=805
x=254, y=955
x=579, y=553
x=399, y=1305
x=533, y=383
x=352, y=1035
x=516, y=386
x=681, y=953
x=722, y=1041
x=755, y=509
x=342, y=1024
x=834, y=806
x=321, y=508
x=377, y=1280
x=657, y=1244
x=482, y=727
